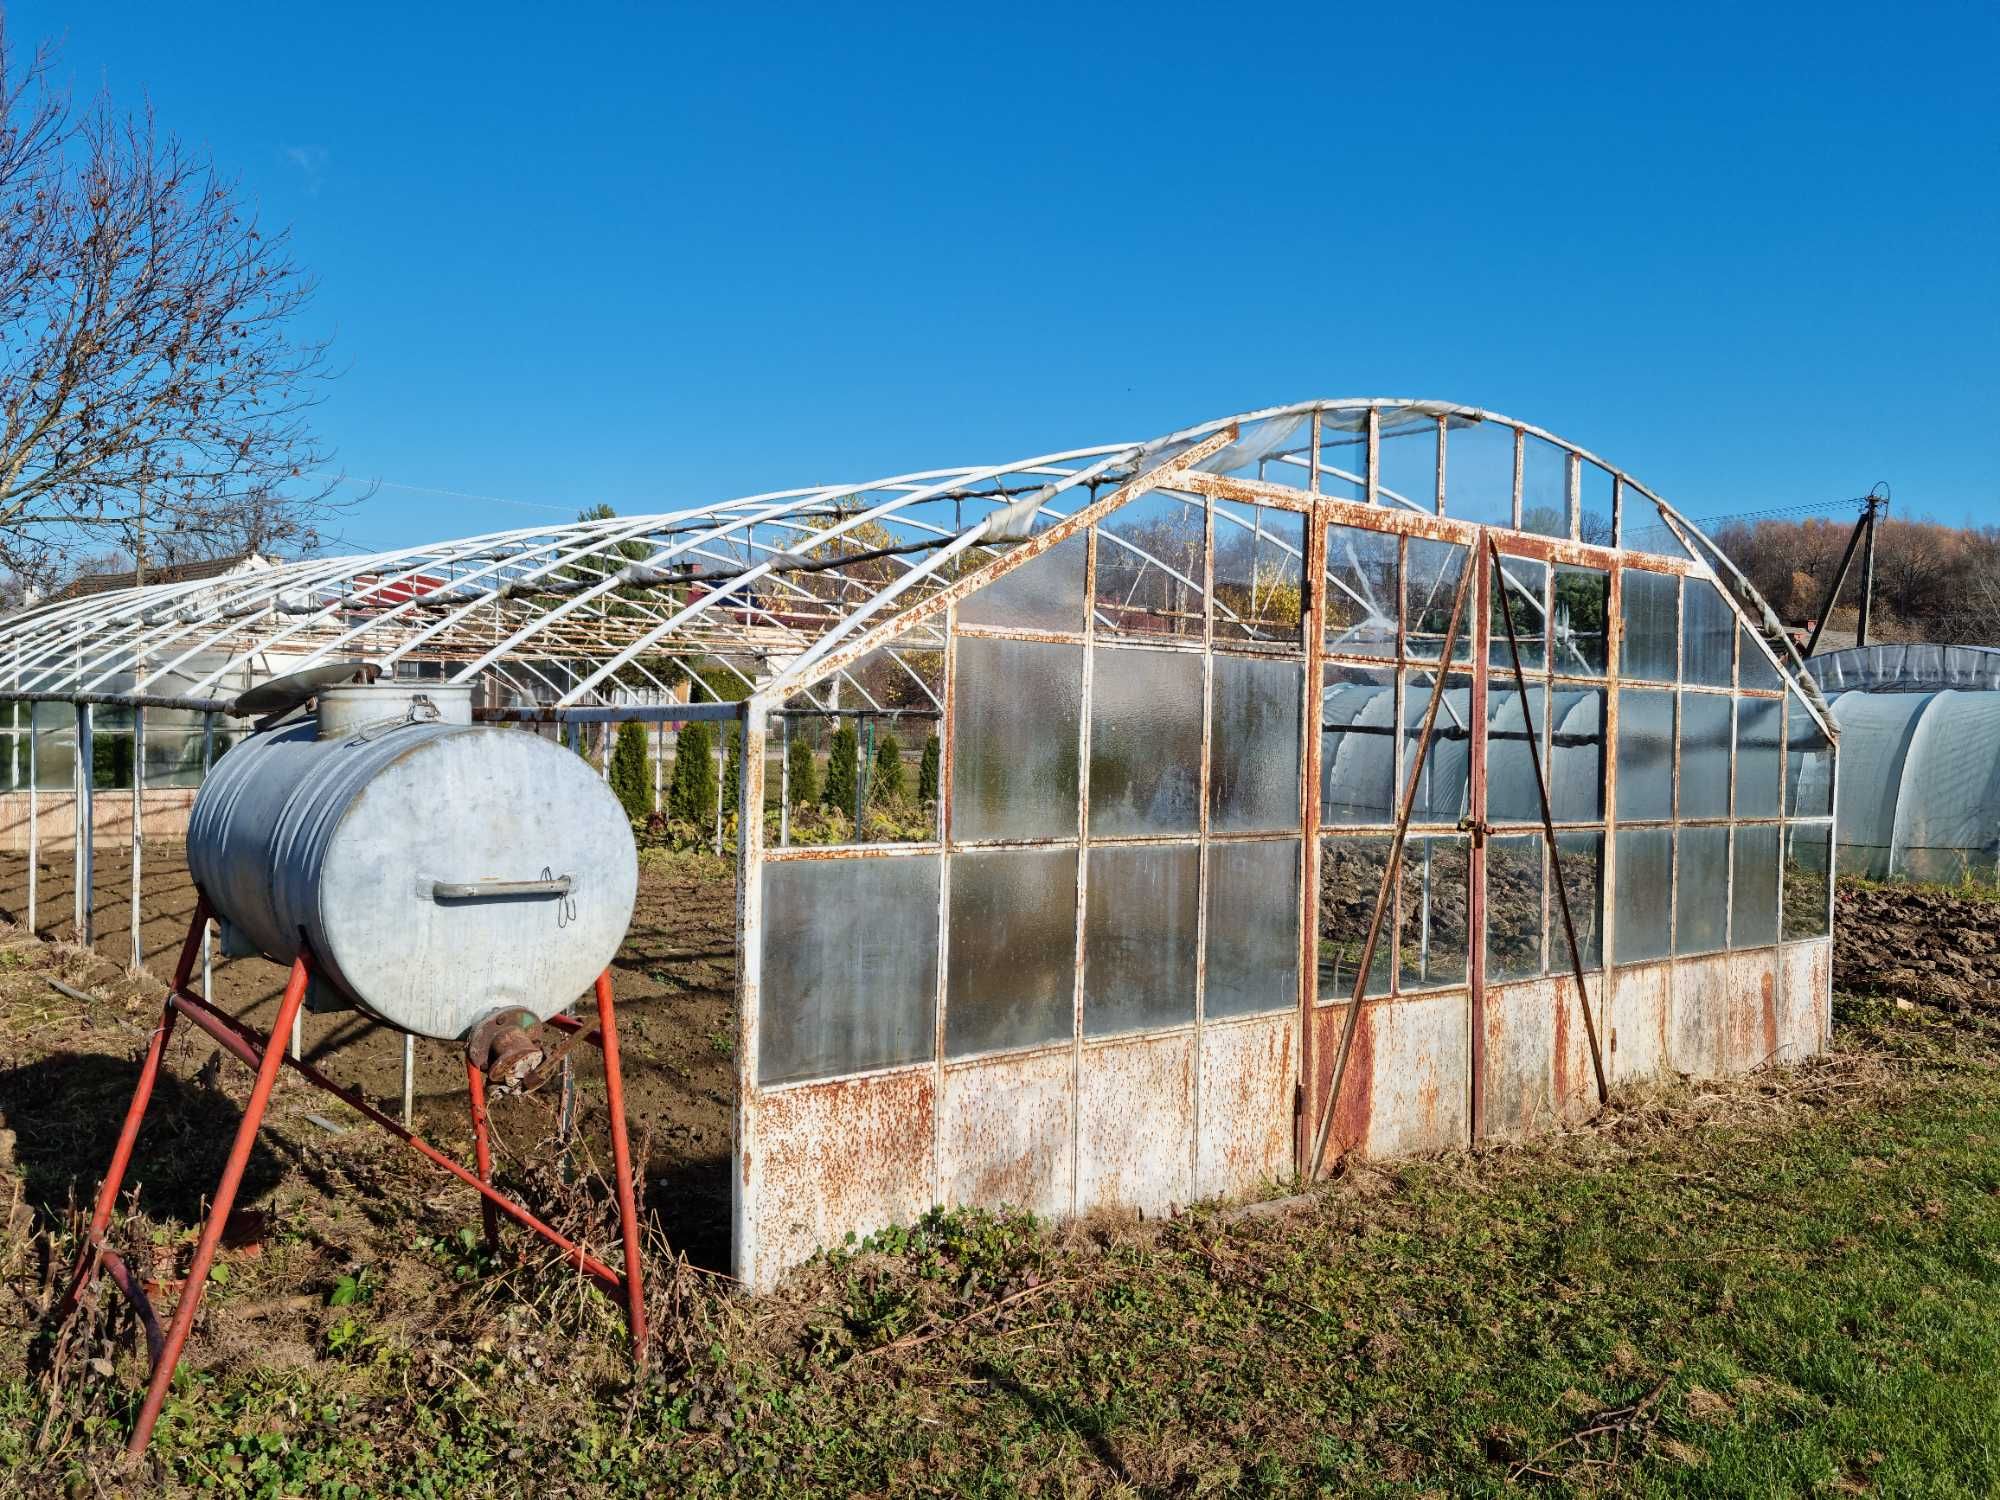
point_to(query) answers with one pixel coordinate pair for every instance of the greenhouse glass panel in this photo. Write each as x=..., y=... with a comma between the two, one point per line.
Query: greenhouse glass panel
x=1043, y=594
x=1445, y=775
x=1139, y=933
x=1645, y=754
x=1760, y=757
x=1259, y=577
x=1808, y=763
x=1253, y=928
x=1583, y=882
x=1708, y=636
x=1350, y=877
x=1479, y=473
x=1514, y=923
x=1406, y=474
x=1010, y=978
x=1145, y=742
x=1430, y=582
x=841, y=996
x=1253, y=768
x=1701, y=915
x=1645, y=900
x=1705, y=730
x=1580, y=627
x=1152, y=555
x=1753, y=897
x=1650, y=615
x=1360, y=591
x=1526, y=595
x=1014, y=751
x=1576, y=754
x=1808, y=849
x=1754, y=668
x=1358, y=746
x=1513, y=743
x=1544, y=487
x=1595, y=502
x=1435, y=880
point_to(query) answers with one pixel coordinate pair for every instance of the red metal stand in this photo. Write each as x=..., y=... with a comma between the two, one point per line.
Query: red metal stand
x=265, y=1055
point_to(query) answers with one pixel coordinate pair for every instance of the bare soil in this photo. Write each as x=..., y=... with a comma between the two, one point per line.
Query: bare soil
x=1922, y=942
x=674, y=978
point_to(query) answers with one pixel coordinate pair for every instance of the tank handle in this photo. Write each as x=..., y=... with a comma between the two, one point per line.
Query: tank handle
x=482, y=890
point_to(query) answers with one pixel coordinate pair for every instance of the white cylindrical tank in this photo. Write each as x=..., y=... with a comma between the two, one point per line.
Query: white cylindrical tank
x=437, y=870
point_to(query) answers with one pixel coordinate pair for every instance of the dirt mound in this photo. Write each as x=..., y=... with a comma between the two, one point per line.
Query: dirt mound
x=1922, y=942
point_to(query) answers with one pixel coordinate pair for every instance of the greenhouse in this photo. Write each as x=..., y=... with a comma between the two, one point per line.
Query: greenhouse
x=1391, y=701
x=1920, y=728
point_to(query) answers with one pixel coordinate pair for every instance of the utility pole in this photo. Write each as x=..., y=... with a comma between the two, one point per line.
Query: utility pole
x=1874, y=504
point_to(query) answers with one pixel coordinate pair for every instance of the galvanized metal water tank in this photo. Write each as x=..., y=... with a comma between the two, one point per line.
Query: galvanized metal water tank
x=438, y=870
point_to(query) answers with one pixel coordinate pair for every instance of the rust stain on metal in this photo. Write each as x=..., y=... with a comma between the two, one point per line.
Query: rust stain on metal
x=1641, y=1008
x=1135, y=1125
x=1247, y=1073
x=854, y=1155
x=1004, y=1134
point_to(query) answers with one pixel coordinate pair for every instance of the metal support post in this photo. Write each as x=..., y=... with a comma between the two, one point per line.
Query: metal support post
x=138, y=819
x=82, y=777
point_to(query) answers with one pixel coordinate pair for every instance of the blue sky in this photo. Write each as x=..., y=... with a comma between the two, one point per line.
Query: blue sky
x=658, y=255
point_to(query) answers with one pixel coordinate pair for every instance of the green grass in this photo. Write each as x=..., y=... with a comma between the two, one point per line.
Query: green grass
x=1780, y=1287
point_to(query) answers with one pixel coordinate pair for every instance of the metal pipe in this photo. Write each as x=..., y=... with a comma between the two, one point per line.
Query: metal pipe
x=621, y=1161
x=409, y=1079
x=138, y=817
x=482, y=1149
x=207, y=958
x=83, y=774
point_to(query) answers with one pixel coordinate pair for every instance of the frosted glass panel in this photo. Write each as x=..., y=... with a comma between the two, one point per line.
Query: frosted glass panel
x=1704, y=755
x=1514, y=907
x=1760, y=756
x=1580, y=623
x=1809, y=764
x=1350, y=876
x=1526, y=595
x=1434, y=950
x=1443, y=779
x=1708, y=635
x=1513, y=741
x=1357, y=766
x=1139, y=937
x=1432, y=571
x=1753, y=899
x=1753, y=667
x=1650, y=614
x=1702, y=887
x=1253, y=742
x=1576, y=754
x=1011, y=975
x=1014, y=758
x=841, y=996
x=1645, y=894
x=1645, y=754
x=1807, y=846
x=1045, y=594
x=1360, y=591
x=1145, y=742
x=1583, y=880
x=1253, y=928
x=1151, y=560
x=1259, y=576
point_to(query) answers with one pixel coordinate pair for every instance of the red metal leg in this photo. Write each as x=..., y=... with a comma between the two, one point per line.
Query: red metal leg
x=621, y=1157
x=225, y=1198
x=121, y=1157
x=482, y=1150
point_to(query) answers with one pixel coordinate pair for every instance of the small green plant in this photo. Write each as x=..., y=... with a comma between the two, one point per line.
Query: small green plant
x=693, y=797
x=354, y=1290
x=843, y=768
x=802, y=773
x=631, y=771
x=927, y=772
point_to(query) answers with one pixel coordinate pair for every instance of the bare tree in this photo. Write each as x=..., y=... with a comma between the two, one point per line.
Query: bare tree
x=153, y=391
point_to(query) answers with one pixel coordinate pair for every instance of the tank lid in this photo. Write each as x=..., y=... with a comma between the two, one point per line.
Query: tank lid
x=269, y=700
x=382, y=705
